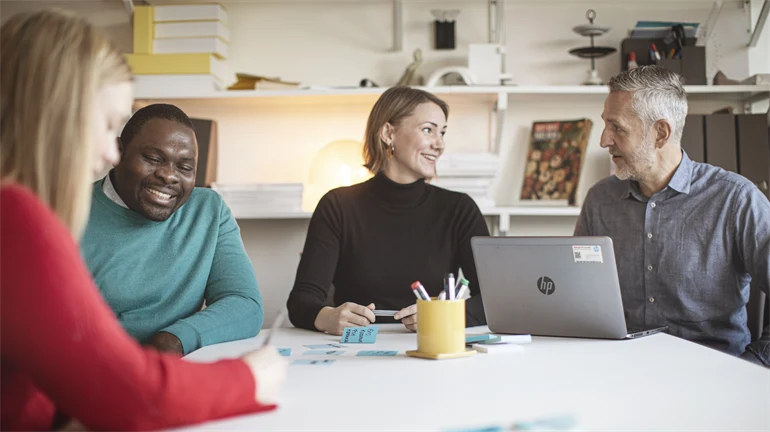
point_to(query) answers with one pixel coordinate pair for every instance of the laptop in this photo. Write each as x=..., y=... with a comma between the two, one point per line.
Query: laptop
x=552, y=286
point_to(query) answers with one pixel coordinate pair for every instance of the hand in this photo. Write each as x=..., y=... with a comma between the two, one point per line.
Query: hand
x=269, y=371
x=167, y=342
x=334, y=320
x=408, y=317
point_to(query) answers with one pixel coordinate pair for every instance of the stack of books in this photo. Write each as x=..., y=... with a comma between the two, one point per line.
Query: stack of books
x=257, y=199
x=470, y=173
x=180, y=49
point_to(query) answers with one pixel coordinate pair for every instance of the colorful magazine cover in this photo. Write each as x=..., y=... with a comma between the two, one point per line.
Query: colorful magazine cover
x=554, y=160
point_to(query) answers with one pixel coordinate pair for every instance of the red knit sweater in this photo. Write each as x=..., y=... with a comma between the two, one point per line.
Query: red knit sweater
x=63, y=350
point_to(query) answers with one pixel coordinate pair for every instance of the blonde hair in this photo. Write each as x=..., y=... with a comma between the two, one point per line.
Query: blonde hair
x=394, y=105
x=52, y=65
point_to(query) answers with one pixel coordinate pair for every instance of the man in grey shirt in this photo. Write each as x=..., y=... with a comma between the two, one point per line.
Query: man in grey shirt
x=689, y=237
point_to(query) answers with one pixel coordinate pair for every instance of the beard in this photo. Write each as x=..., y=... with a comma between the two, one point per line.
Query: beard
x=636, y=164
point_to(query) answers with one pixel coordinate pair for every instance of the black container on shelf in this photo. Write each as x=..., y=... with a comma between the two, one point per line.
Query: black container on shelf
x=691, y=64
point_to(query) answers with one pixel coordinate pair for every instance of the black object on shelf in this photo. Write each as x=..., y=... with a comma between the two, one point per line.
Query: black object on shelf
x=593, y=52
x=690, y=62
x=444, y=28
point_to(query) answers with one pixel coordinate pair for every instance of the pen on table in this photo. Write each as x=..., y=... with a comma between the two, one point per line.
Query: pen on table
x=419, y=291
x=275, y=327
x=449, y=286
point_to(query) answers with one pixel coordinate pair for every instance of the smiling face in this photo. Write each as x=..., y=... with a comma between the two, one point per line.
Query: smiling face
x=418, y=141
x=156, y=173
x=631, y=146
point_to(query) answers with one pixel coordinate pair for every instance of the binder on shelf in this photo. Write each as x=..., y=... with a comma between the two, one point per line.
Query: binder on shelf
x=692, y=138
x=721, y=148
x=208, y=151
x=754, y=149
x=143, y=29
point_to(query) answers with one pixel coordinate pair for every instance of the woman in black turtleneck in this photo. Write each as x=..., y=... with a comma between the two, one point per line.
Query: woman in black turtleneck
x=373, y=239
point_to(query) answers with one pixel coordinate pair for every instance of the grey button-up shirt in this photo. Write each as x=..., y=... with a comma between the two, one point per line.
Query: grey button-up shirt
x=687, y=254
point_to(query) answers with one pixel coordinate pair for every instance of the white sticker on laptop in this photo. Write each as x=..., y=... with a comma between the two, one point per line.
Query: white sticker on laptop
x=587, y=254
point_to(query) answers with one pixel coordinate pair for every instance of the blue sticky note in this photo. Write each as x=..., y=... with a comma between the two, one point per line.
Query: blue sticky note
x=565, y=422
x=488, y=338
x=481, y=429
x=318, y=362
x=366, y=334
x=324, y=352
x=323, y=346
x=376, y=353
x=286, y=352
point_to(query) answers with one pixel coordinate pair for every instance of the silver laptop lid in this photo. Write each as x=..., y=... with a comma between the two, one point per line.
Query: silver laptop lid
x=550, y=286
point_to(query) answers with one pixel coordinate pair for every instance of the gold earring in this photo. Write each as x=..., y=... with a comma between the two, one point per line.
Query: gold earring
x=391, y=150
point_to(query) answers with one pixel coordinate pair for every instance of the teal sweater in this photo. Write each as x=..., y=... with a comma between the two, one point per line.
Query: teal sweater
x=156, y=275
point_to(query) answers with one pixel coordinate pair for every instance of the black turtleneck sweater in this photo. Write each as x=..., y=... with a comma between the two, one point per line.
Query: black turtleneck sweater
x=373, y=239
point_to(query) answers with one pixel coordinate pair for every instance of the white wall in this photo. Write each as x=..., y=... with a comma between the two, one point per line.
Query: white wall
x=337, y=43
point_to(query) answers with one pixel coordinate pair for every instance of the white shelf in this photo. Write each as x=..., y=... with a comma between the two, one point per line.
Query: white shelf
x=502, y=214
x=697, y=92
x=496, y=211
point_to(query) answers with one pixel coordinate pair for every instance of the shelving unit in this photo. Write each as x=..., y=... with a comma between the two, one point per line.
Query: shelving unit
x=499, y=216
x=733, y=93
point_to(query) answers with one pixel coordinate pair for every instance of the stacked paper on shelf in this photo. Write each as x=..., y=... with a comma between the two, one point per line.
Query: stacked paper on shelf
x=470, y=173
x=256, y=199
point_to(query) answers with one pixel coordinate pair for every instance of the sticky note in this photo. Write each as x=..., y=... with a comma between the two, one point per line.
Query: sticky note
x=366, y=334
x=313, y=362
x=481, y=429
x=323, y=346
x=469, y=339
x=376, y=353
x=286, y=352
x=324, y=352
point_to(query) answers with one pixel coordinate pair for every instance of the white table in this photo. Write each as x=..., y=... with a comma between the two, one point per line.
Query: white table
x=657, y=382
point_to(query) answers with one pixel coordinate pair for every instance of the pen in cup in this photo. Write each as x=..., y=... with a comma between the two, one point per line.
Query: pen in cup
x=419, y=291
x=449, y=286
x=463, y=283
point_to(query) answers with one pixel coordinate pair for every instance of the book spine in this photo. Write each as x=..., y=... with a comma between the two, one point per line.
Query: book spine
x=143, y=29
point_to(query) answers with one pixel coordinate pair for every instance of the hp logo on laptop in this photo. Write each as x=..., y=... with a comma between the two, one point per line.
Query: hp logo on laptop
x=546, y=285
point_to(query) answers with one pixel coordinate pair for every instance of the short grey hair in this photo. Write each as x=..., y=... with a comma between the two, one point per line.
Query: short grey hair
x=658, y=94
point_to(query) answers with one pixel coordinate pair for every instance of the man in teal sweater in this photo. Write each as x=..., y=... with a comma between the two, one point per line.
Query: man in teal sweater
x=158, y=246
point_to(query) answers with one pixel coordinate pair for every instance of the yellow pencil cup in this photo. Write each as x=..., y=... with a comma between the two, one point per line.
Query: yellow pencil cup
x=440, y=329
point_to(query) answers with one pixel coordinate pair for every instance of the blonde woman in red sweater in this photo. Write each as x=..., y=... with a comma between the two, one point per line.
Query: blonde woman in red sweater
x=65, y=93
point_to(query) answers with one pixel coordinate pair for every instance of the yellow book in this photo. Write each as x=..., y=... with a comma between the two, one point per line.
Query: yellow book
x=143, y=29
x=143, y=64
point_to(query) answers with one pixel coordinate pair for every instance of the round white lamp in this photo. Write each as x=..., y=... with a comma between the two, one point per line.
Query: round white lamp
x=340, y=163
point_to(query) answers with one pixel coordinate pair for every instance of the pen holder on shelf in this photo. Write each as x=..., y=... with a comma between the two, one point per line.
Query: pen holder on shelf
x=440, y=330
x=690, y=63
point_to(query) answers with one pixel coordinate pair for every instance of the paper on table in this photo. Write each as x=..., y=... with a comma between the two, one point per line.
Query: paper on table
x=313, y=362
x=376, y=353
x=496, y=348
x=324, y=352
x=323, y=346
x=366, y=334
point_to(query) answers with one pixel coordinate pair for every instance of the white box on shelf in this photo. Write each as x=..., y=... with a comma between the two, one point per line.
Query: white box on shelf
x=158, y=86
x=192, y=29
x=206, y=12
x=486, y=63
x=199, y=45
